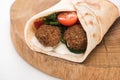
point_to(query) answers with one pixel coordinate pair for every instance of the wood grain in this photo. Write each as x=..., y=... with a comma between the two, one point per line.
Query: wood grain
x=102, y=64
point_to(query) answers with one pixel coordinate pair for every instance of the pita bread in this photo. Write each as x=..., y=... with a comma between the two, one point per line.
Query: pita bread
x=95, y=17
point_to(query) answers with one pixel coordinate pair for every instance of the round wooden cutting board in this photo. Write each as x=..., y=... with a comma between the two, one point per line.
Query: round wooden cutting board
x=102, y=64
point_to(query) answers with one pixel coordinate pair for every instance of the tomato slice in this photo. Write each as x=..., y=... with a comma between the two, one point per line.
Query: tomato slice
x=67, y=18
x=38, y=23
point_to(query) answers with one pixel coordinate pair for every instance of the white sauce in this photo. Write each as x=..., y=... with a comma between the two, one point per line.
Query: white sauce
x=62, y=49
x=40, y=46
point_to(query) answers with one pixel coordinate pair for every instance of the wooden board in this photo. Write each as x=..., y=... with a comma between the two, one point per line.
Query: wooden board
x=102, y=64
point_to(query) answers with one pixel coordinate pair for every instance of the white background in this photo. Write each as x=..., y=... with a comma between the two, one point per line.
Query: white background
x=12, y=66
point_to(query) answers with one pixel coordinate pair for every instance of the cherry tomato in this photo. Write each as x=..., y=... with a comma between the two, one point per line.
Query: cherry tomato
x=38, y=23
x=67, y=18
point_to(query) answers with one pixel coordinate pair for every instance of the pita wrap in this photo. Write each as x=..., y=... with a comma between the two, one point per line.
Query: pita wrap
x=96, y=18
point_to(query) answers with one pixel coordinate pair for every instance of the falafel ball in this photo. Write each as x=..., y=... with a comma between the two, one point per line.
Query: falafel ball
x=75, y=38
x=48, y=35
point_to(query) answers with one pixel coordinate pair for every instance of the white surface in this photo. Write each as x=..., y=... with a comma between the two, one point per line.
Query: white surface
x=12, y=66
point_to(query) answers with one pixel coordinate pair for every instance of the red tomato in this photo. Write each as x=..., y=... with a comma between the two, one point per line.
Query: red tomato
x=38, y=23
x=67, y=18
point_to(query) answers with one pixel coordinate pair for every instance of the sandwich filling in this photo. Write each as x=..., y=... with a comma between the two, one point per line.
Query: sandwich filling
x=62, y=27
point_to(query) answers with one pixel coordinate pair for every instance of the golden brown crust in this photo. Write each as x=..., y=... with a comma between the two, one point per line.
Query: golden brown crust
x=75, y=37
x=48, y=35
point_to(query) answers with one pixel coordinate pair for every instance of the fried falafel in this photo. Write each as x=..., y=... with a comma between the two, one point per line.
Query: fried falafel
x=48, y=35
x=75, y=38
